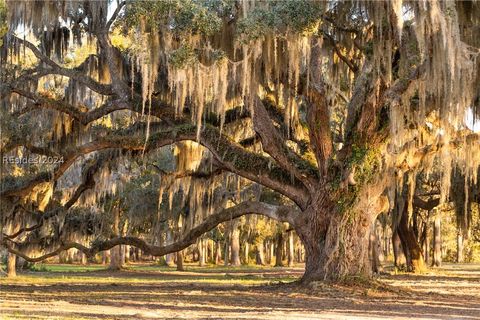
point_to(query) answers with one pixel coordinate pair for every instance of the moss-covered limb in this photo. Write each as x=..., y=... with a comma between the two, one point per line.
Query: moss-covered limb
x=236, y=159
x=18, y=142
x=67, y=157
x=159, y=109
x=88, y=178
x=371, y=99
x=361, y=91
x=54, y=210
x=279, y=213
x=351, y=63
x=120, y=139
x=113, y=56
x=84, y=117
x=305, y=170
x=231, y=116
x=367, y=161
x=288, y=134
x=360, y=160
x=231, y=155
x=360, y=167
x=74, y=74
x=318, y=119
x=274, y=144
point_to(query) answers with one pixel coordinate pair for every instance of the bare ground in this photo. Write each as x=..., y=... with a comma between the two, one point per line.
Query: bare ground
x=452, y=292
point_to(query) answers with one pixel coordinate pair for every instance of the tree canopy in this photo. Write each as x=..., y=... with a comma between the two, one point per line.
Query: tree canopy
x=320, y=114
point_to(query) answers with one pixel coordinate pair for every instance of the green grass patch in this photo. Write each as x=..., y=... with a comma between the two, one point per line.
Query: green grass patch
x=43, y=267
x=149, y=274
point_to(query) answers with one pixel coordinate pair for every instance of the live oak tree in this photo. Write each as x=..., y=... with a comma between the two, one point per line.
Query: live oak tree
x=335, y=107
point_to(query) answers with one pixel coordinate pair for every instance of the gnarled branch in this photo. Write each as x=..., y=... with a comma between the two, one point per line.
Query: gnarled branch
x=279, y=213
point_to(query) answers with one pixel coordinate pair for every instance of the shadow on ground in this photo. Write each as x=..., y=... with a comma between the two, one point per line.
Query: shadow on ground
x=236, y=294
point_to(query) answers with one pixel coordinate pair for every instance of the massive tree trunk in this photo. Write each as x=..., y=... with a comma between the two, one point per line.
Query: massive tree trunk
x=11, y=265
x=336, y=243
x=437, y=241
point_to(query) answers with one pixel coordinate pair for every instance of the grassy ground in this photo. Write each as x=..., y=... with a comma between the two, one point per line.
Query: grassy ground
x=153, y=292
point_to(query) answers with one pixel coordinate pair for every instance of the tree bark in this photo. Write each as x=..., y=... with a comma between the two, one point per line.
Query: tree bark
x=279, y=250
x=194, y=254
x=266, y=245
x=437, y=241
x=62, y=257
x=336, y=244
x=116, y=253
x=218, y=252
x=116, y=258
x=127, y=254
x=122, y=256
x=426, y=245
x=291, y=249
x=11, y=265
x=180, y=261
x=235, y=247
x=460, y=257
x=211, y=251
x=373, y=250
x=386, y=240
x=226, y=251
x=413, y=251
x=70, y=256
x=201, y=252
x=170, y=257
x=105, y=257
x=271, y=251
x=398, y=253
x=260, y=254
x=247, y=253
x=83, y=259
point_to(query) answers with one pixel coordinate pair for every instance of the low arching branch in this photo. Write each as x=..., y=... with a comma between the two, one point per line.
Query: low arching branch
x=279, y=213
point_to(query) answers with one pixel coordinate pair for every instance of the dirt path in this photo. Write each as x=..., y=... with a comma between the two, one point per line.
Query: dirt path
x=243, y=294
